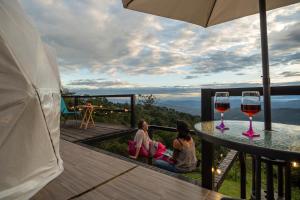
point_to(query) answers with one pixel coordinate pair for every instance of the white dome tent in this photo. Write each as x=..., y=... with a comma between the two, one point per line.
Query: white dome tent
x=29, y=107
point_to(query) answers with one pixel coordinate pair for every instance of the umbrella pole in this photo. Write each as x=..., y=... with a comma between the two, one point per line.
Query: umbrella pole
x=265, y=64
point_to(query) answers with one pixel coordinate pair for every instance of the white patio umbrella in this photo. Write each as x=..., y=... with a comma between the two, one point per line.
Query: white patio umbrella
x=211, y=12
x=29, y=107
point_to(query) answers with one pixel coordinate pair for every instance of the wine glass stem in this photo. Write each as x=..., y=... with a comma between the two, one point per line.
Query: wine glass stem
x=222, y=118
x=250, y=127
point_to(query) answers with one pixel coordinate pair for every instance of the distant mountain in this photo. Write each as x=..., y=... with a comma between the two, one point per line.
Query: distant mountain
x=287, y=104
x=280, y=115
x=234, y=103
x=283, y=111
x=187, y=106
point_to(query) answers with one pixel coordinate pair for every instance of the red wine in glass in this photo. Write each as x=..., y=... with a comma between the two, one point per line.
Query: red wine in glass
x=250, y=110
x=222, y=105
x=250, y=106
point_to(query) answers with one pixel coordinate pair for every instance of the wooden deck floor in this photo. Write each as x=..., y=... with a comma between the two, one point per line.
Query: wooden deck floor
x=90, y=175
x=70, y=131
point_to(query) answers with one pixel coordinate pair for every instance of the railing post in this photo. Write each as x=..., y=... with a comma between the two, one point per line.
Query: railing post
x=270, y=184
x=207, y=158
x=280, y=181
x=207, y=163
x=257, y=177
x=132, y=116
x=207, y=112
x=243, y=174
x=253, y=178
x=287, y=184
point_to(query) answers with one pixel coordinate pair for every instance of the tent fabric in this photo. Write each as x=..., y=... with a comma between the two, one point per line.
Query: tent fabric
x=29, y=107
x=203, y=12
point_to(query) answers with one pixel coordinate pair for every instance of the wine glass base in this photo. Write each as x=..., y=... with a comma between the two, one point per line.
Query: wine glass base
x=220, y=127
x=251, y=135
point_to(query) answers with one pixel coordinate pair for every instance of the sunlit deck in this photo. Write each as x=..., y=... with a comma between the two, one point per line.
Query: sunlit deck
x=92, y=175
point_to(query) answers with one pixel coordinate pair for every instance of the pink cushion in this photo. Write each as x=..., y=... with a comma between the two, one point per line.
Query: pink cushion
x=160, y=150
x=132, y=150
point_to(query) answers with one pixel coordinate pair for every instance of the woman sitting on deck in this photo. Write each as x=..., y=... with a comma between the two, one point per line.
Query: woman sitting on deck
x=144, y=145
x=184, y=154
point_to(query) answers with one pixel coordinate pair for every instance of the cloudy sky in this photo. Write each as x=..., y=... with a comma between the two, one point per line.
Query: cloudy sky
x=104, y=48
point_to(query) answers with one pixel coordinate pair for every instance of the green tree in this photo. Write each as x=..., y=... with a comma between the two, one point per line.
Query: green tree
x=147, y=100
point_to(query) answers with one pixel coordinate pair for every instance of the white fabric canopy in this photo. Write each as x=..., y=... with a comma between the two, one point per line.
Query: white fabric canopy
x=203, y=12
x=29, y=107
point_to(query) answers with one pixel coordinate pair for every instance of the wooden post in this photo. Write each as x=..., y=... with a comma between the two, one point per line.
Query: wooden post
x=132, y=116
x=257, y=177
x=207, y=155
x=253, y=178
x=243, y=174
x=270, y=186
x=280, y=181
x=207, y=163
x=287, y=181
x=207, y=112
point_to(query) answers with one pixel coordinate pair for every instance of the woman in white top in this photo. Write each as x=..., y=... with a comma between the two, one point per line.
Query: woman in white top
x=142, y=138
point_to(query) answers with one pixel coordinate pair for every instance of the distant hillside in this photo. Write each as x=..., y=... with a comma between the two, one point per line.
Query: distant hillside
x=281, y=115
x=187, y=106
x=287, y=112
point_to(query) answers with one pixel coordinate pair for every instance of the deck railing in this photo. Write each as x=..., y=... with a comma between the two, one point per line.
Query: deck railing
x=132, y=103
x=207, y=114
x=207, y=108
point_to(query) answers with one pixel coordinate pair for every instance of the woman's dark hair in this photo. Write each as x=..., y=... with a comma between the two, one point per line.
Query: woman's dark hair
x=141, y=123
x=183, y=130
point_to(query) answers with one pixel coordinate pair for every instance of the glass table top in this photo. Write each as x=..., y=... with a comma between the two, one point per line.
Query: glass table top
x=283, y=137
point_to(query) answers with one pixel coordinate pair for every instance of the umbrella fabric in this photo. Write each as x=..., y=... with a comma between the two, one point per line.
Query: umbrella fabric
x=29, y=107
x=203, y=12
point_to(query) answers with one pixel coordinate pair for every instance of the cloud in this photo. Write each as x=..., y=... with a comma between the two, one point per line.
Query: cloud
x=290, y=74
x=104, y=38
x=286, y=39
x=190, y=77
x=97, y=83
x=95, y=87
x=240, y=74
x=86, y=33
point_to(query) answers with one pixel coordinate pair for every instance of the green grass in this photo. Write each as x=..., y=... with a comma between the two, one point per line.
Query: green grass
x=193, y=175
x=231, y=184
x=231, y=187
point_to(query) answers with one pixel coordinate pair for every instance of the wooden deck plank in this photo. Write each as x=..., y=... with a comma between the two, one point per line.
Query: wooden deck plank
x=71, y=131
x=146, y=184
x=67, y=138
x=85, y=134
x=92, y=175
x=84, y=169
x=74, y=134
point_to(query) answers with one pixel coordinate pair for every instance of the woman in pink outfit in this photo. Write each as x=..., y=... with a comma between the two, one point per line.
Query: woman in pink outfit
x=142, y=139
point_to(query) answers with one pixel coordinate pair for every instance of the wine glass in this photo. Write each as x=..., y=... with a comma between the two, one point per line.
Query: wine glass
x=250, y=106
x=222, y=105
